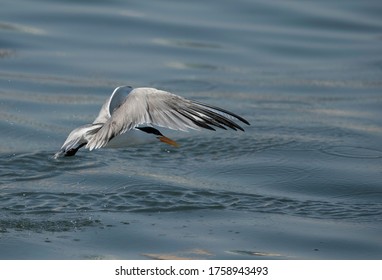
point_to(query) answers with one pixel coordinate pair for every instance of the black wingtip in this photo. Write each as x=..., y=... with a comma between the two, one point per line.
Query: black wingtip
x=244, y=121
x=223, y=111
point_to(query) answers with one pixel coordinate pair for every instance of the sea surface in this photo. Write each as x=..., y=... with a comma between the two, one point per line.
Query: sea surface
x=304, y=181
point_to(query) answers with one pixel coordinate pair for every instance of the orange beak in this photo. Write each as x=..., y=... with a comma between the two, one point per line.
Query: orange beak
x=166, y=140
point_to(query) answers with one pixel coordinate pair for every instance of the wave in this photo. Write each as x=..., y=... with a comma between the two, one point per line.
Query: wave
x=168, y=198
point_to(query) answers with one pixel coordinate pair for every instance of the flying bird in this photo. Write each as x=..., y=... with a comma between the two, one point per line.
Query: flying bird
x=133, y=115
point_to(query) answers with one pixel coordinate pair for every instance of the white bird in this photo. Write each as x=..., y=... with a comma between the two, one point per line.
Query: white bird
x=129, y=115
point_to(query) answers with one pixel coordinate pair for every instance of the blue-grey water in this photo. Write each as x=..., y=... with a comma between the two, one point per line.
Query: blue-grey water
x=304, y=181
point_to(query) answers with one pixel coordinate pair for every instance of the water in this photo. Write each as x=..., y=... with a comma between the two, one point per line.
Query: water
x=303, y=182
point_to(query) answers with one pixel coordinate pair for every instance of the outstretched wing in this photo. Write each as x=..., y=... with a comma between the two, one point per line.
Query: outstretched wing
x=164, y=109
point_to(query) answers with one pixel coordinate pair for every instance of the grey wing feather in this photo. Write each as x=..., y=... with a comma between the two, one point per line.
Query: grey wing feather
x=164, y=109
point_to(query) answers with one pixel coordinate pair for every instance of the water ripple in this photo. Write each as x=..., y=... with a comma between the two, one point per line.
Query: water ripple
x=164, y=199
x=36, y=166
x=53, y=224
x=353, y=152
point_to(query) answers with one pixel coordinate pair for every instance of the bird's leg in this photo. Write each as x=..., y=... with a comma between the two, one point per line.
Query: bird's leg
x=160, y=136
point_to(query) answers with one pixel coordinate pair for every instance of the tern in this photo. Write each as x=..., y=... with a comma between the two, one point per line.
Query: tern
x=133, y=115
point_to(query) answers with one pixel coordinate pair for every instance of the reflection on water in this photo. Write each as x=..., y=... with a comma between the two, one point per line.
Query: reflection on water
x=7, y=26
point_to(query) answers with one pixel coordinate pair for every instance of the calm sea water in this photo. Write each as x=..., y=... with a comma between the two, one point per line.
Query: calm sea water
x=303, y=182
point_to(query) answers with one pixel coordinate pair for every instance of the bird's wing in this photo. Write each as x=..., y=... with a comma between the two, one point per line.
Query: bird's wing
x=115, y=100
x=161, y=108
